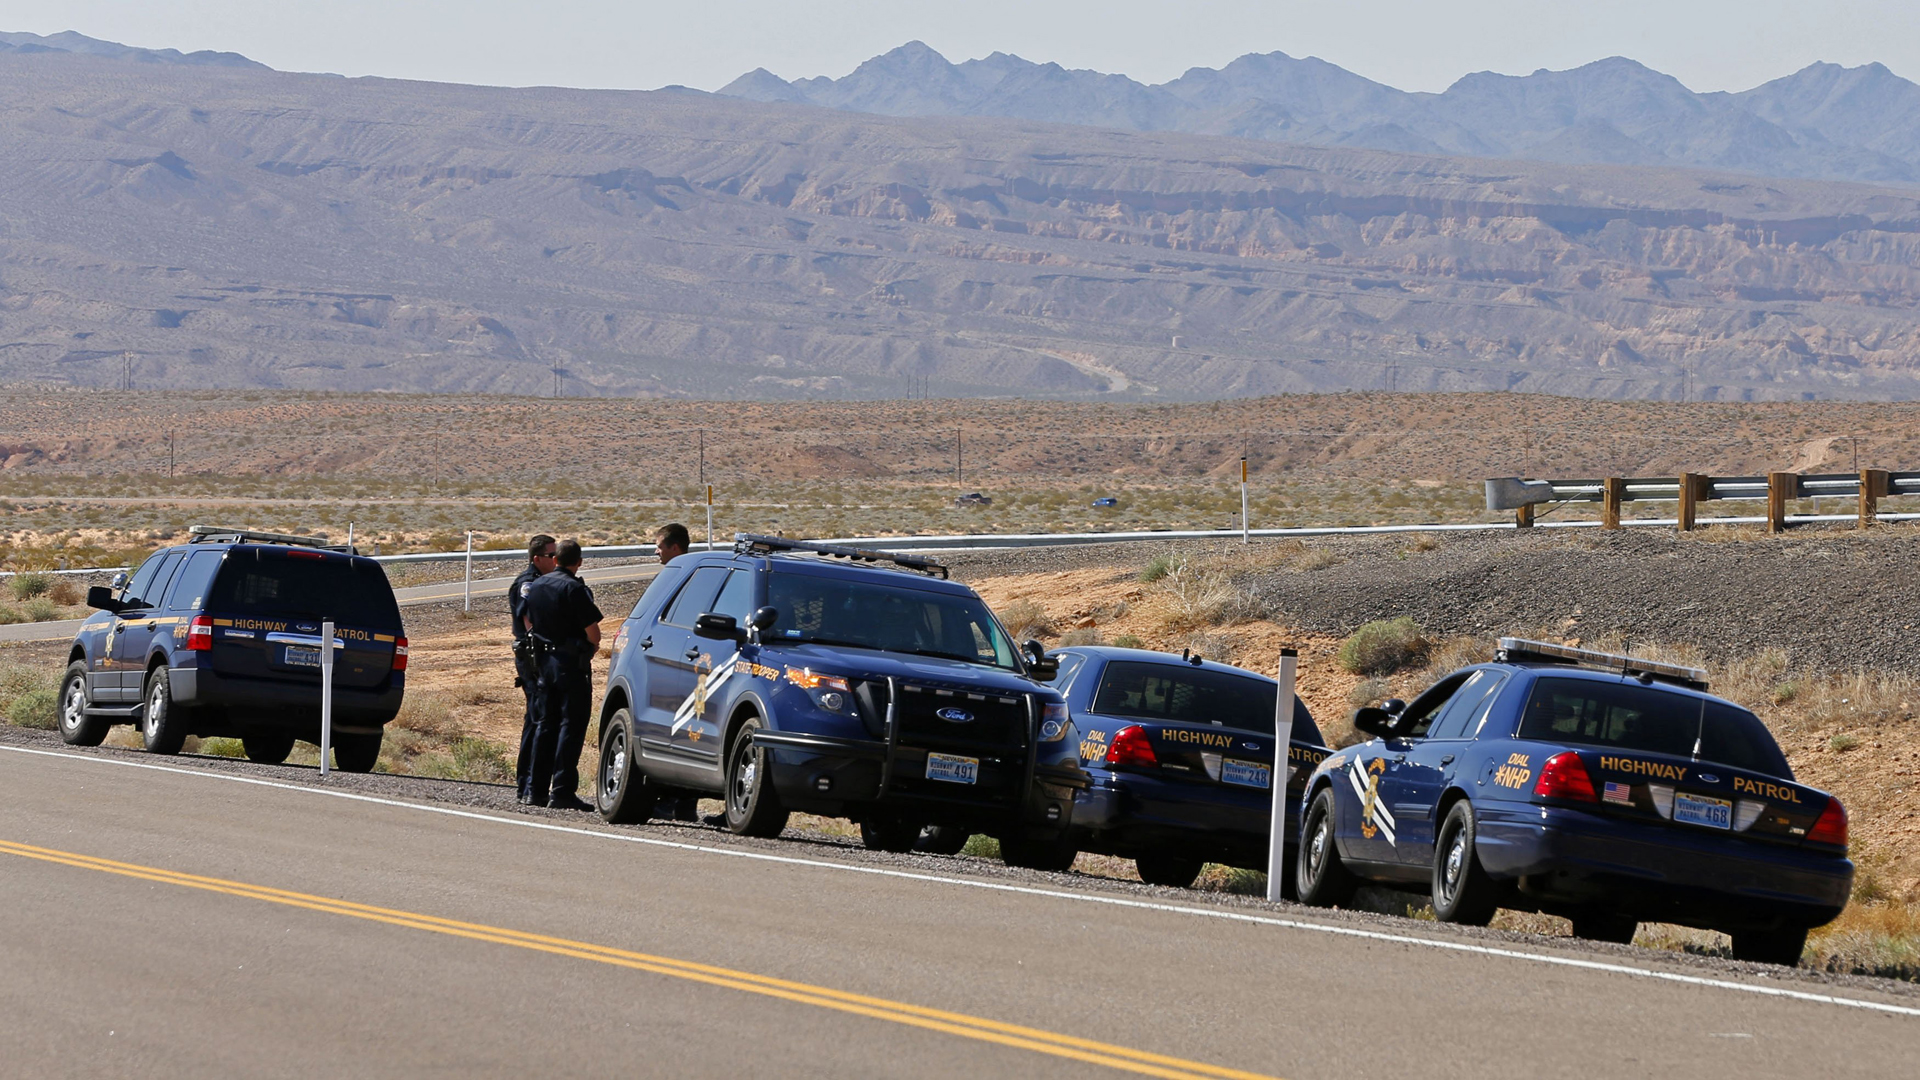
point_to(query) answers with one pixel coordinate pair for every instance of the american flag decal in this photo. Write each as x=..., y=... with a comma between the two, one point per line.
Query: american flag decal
x=1620, y=793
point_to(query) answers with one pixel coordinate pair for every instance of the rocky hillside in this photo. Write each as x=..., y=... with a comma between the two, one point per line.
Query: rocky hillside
x=196, y=225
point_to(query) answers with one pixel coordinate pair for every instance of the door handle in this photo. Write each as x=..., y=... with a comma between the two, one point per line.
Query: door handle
x=1448, y=760
x=1398, y=758
x=646, y=642
x=693, y=653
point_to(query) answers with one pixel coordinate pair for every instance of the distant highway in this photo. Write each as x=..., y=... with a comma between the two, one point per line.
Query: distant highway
x=177, y=918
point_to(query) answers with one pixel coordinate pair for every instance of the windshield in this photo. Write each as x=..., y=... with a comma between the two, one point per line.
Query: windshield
x=1630, y=716
x=273, y=585
x=1190, y=695
x=840, y=611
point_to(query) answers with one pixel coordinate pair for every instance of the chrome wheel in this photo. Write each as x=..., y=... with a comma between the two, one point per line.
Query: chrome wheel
x=613, y=768
x=73, y=706
x=156, y=716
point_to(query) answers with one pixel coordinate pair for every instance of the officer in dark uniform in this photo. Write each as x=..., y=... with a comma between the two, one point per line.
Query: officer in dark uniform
x=541, y=555
x=566, y=635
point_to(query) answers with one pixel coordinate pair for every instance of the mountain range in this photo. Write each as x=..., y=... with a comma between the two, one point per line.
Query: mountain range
x=1824, y=121
x=174, y=222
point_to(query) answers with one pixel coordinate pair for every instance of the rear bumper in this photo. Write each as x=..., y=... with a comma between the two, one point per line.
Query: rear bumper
x=266, y=704
x=1124, y=815
x=1564, y=858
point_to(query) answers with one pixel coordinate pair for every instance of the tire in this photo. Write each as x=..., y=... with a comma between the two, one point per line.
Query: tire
x=76, y=727
x=1173, y=871
x=1462, y=891
x=753, y=806
x=1604, y=926
x=1054, y=856
x=1321, y=879
x=888, y=832
x=163, y=730
x=1781, y=947
x=624, y=797
x=356, y=753
x=267, y=747
x=944, y=839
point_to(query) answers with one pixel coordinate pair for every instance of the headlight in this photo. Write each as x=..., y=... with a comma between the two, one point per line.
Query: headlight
x=1053, y=721
x=830, y=692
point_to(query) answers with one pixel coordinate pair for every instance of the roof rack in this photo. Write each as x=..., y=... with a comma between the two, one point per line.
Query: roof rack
x=222, y=534
x=1513, y=648
x=755, y=544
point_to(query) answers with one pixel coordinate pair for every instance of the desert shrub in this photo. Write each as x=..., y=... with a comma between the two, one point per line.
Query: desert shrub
x=1842, y=741
x=1160, y=566
x=472, y=759
x=428, y=714
x=10, y=615
x=28, y=586
x=1082, y=635
x=37, y=708
x=1368, y=691
x=980, y=845
x=1318, y=559
x=1383, y=647
x=1025, y=618
x=1215, y=877
x=1422, y=542
x=1217, y=647
x=1128, y=641
x=65, y=593
x=1784, y=692
x=223, y=747
x=41, y=609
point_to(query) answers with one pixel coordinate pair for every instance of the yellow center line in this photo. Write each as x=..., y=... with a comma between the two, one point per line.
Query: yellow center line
x=952, y=1023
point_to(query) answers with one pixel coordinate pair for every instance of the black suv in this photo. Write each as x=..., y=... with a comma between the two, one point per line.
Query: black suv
x=221, y=636
x=787, y=676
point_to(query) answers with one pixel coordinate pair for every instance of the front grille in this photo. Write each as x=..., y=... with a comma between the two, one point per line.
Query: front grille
x=995, y=724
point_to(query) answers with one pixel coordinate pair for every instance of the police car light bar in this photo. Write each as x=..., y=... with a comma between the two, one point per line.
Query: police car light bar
x=1513, y=648
x=221, y=534
x=754, y=544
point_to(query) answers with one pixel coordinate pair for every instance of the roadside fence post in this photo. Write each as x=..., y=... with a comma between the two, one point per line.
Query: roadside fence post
x=1243, y=499
x=1282, y=773
x=1781, y=486
x=1523, y=517
x=326, y=693
x=1613, y=493
x=1689, y=500
x=466, y=590
x=1873, y=485
x=709, y=517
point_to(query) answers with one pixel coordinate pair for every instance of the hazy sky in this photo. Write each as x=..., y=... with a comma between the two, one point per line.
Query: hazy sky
x=1411, y=44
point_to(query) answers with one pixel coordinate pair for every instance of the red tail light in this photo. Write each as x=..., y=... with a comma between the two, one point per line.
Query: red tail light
x=1564, y=776
x=1131, y=747
x=400, y=654
x=1832, y=826
x=200, y=634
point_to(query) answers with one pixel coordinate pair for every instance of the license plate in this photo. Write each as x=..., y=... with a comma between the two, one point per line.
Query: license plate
x=1701, y=810
x=952, y=768
x=302, y=656
x=1246, y=773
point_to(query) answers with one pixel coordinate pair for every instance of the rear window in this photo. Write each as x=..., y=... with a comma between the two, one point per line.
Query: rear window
x=270, y=584
x=1630, y=716
x=1181, y=693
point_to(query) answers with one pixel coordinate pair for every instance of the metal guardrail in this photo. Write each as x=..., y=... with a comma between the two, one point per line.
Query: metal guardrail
x=1867, y=487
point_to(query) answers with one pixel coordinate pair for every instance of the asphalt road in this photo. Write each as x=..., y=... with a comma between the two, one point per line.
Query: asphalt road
x=267, y=927
x=438, y=593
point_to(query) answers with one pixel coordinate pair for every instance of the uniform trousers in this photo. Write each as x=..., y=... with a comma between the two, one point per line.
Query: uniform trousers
x=528, y=669
x=566, y=703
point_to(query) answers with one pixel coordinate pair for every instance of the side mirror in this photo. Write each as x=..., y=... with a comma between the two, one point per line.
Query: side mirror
x=764, y=618
x=717, y=627
x=102, y=597
x=1373, y=721
x=1393, y=706
x=1040, y=666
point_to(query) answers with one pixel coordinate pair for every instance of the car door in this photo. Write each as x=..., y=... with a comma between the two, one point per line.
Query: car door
x=1417, y=784
x=672, y=652
x=695, y=732
x=1370, y=825
x=107, y=687
x=133, y=637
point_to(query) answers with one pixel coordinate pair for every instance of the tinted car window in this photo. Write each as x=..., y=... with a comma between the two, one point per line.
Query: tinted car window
x=190, y=584
x=1186, y=694
x=156, y=589
x=736, y=597
x=1425, y=709
x=1070, y=665
x=1465, y=704
x=871, y=615
x=271, y=584
x=1630, y=716
x=697, y=598
x=142, y=579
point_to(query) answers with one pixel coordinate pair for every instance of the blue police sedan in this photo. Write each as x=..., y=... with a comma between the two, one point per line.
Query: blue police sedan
x=1180, y=752
x=1607, y=789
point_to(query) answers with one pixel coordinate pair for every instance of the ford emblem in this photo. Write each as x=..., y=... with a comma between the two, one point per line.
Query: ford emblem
x=1709, y=778
x=1253, y=746
x=954, y=716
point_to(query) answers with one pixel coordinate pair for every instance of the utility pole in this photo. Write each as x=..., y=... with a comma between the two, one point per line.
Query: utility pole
x=956, y=457
x=170, y=455
x=703, y=460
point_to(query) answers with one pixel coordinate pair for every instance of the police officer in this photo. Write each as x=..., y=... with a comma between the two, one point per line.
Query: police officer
x=565, y=627
x=541, y=555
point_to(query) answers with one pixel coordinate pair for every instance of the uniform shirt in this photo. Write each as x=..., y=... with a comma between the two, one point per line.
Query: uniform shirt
x=561, y=607
x=517, y=599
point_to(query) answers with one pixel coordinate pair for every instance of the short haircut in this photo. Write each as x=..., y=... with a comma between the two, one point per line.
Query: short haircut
x=569, y=553
x=537, y=544
x=674, y=535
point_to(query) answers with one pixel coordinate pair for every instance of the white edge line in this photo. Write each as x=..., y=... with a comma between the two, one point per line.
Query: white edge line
x=1028, y=890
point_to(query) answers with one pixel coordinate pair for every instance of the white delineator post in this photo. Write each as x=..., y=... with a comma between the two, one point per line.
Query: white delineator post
x=1243, y=500
x=466, y=590
x=709, y=517
x=326, y=694
x=1282, y=771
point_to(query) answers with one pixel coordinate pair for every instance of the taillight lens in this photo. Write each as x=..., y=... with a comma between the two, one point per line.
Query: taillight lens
x=200, y=634
x=400, y=654
x=620, y=639
x=1132, y=747
x=1564, y=776
x=1832, y=826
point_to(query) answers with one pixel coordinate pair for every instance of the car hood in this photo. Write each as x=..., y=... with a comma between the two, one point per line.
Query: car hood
x=880, y=664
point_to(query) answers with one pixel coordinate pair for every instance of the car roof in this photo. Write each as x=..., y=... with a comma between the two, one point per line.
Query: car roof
x=821, y=566
x=1573, y=671
x=1115, y=652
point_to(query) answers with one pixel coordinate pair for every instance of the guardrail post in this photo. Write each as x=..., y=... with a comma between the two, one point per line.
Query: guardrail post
x=1690, y=486
x=1781, y=486
x=1613, y=494
x=1278, y=780
x=1523, y=517
x=1873, y=485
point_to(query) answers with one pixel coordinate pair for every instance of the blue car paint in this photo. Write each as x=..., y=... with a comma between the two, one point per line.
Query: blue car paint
x=1561, y=856
x=1128, y=811
x=1015, y=792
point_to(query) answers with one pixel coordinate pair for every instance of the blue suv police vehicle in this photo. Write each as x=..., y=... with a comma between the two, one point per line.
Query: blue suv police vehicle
x=221, y=636
x=1607, y=789
x=786, y=676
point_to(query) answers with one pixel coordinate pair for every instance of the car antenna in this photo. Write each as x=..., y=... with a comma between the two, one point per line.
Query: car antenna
x=1186, y=653
x=1700, y=732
